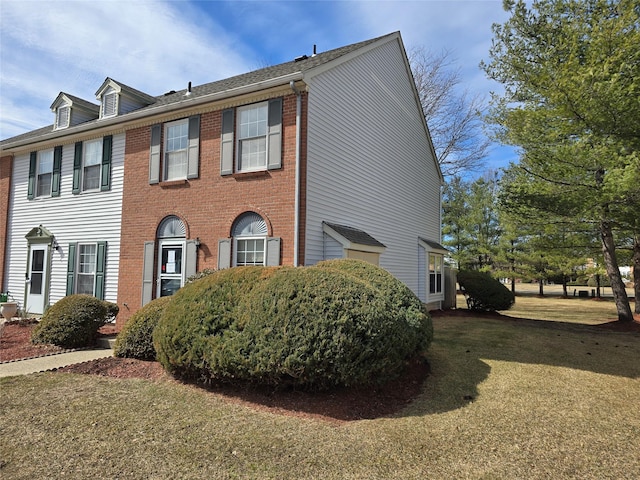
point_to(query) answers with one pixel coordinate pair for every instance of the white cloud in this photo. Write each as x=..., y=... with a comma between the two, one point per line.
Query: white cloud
x=153, y=46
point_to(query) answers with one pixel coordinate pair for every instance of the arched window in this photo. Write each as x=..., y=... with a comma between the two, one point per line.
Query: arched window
x=171, y=227
x=249, y=235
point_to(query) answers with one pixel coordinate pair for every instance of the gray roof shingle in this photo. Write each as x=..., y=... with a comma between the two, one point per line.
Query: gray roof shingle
x=299, y=65
x=355, y=235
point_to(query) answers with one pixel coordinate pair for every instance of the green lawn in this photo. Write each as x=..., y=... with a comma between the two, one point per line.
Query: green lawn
x=505, y=400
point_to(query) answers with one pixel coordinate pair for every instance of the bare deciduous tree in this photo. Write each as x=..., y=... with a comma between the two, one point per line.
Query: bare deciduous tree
x=454, y=117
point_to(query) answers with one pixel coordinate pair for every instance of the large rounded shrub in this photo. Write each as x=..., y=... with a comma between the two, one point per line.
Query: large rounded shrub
x=136, y=338
x=483, y=292
x=198, y=317
x=74, y=321
x=311, y=327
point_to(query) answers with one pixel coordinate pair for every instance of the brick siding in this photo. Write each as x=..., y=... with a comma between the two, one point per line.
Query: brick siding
x=209, y=204
x=6, y=165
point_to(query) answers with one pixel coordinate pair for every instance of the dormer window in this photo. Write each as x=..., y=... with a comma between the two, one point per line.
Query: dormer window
x=71, y=111
x=62, y=117
x=109, y=104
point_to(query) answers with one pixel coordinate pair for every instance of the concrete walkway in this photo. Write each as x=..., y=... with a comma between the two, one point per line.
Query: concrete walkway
x=41, y=364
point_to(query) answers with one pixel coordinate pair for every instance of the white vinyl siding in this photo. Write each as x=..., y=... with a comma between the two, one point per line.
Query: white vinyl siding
x=369, y=162
x=71, y=218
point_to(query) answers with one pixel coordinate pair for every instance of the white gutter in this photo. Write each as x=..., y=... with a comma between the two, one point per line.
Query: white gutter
x=296, y=208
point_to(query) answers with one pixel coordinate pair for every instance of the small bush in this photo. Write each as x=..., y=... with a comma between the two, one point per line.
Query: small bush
x=74, y=321
x=136, y=338
x=309, y=327
x=483, y=292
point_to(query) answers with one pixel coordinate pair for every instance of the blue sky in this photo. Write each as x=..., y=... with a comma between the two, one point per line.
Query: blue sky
x=155, y=46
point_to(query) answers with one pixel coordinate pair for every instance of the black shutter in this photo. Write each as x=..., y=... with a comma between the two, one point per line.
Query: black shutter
x=57, y=169
x=77, y=168
x=33, y=164
x=107, y=145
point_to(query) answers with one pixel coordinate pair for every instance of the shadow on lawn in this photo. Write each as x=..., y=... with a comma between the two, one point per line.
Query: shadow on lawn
x=464, y=341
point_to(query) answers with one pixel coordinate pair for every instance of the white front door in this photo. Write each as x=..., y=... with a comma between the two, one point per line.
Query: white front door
x=37, y=278
x=170, y=266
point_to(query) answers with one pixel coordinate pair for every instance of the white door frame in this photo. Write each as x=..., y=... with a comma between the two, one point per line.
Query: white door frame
x=37, y=287
x=169, y=271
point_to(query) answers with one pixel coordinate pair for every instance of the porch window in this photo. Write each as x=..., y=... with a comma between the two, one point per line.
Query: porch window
x=436, y=262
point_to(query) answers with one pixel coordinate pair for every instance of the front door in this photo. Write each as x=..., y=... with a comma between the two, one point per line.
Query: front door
x=171, y=274
x=36, y=279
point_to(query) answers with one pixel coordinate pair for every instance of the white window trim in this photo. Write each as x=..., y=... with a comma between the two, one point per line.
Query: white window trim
x=239, y=139
x=99, y=165
x=166, y=152
x=252, y=237
x=59, y=110
x=429, y=250
x=438, y=262
x=116, y=101
x=37, y=186
x=78, y=274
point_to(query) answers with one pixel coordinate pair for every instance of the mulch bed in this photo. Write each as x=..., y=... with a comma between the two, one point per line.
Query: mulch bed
x=339, y=405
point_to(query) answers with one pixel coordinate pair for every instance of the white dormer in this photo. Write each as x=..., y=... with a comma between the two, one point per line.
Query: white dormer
x=70, y=111
x=117, y=99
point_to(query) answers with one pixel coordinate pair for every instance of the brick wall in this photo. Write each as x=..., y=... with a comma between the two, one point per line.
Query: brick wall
x=6, y=165
x=207, y=205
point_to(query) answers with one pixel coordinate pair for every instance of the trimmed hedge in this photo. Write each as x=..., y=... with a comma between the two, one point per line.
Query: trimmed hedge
x=200, y=314
x=483, y=292
x=339, y=323
x=74, y=321
x=136, y=338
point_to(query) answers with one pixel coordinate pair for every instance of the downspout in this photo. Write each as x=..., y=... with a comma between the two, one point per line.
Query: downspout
x=296, y=208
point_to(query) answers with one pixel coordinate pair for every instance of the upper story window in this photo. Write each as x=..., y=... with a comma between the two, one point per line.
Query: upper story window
x=45, y=173
x=91, y=165
x=109, y=104
x=45, y=169
x=177, y=157
x=176, y=135
x=63, y=114
x=252, y=138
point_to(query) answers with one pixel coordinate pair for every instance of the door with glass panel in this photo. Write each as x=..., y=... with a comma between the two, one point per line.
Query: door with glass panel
x=36, y=279
x=171, y=272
